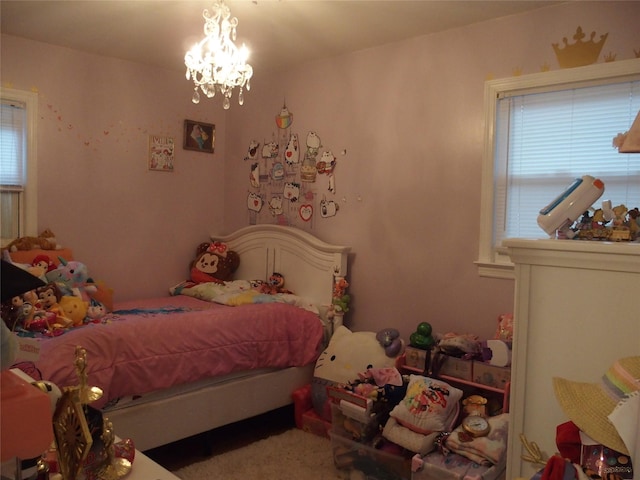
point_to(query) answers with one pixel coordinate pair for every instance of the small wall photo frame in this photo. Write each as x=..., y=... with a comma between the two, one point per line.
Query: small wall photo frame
x=161, y=153
x=199, y=136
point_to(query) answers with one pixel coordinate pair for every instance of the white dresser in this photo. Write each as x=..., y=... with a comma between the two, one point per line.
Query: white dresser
x=577, y=310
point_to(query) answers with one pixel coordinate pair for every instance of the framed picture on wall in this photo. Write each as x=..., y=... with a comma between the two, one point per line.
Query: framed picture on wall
x=161, y=153
x=199, y=136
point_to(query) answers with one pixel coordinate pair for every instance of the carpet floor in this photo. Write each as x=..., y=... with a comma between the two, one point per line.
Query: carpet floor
x=293, y=454
x=234, y=445
x=223, y=439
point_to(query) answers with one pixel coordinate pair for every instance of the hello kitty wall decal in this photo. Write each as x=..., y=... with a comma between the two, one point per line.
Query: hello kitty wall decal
x=293, y=176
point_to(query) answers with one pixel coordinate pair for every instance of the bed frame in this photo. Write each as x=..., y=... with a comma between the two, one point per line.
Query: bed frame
x=311, y=268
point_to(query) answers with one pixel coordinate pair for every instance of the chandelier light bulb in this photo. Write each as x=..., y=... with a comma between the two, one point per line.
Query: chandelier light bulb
x=216, y=63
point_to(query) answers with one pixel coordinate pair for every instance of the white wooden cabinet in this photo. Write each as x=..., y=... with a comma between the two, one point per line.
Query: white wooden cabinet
x=577, y=310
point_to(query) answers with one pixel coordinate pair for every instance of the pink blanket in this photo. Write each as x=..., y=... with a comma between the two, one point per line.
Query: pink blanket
x=154, y=344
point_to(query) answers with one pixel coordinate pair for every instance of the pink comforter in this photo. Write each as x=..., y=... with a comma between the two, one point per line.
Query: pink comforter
x=169, y=341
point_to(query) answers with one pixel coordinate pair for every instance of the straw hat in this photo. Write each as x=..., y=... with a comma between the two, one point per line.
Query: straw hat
x=589, y=404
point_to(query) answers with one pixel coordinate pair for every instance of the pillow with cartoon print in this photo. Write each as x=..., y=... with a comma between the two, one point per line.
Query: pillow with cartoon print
x=429, y=405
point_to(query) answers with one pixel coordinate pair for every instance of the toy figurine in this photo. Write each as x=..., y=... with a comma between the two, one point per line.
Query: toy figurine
x=274, y=285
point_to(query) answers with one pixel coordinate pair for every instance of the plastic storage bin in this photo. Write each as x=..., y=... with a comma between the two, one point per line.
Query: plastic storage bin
x=375, y=464
x=347, y=425
x=436, y=466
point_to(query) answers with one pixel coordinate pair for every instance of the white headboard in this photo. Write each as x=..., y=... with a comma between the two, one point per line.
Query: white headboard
x=310, y=266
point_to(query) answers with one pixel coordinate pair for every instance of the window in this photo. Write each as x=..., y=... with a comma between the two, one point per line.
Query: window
x=542, y=132
x=18, y=172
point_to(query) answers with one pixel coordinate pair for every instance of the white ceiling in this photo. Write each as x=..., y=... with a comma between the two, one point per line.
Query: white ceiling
x=280, y=33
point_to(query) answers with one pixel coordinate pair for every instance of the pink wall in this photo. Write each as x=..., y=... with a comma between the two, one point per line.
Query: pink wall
x=409, y=115
x=134, y=228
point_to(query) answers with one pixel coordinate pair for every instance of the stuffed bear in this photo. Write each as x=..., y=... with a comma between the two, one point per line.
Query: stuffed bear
x=214, y=262
x=348, y=355
x=45, y=241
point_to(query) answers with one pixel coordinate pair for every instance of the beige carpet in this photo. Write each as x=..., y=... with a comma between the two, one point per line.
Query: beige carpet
x=294, y=454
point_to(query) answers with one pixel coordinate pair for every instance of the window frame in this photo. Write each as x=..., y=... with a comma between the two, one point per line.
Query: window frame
x=29, y=200
x=493, y=261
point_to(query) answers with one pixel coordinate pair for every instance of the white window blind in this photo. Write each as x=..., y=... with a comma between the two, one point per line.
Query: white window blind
x=544, y=141
x=12, y=144
x=18, y=164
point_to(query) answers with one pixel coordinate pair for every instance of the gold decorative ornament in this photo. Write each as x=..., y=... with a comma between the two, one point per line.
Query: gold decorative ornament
x=87, y=394
x=79, y=453
x=72, y=435
x=535, y=454
x=579, y=53
x=119, y=467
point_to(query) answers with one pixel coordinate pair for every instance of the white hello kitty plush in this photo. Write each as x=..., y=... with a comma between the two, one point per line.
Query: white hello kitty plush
x=348, y=354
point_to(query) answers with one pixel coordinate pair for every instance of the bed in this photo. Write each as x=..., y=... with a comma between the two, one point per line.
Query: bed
x=139, y=356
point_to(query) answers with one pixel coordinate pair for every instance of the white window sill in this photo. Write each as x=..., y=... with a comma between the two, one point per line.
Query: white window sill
x=495, y=270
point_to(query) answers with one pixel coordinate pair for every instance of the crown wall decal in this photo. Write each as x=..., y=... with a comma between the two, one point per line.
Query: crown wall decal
x=579, y=53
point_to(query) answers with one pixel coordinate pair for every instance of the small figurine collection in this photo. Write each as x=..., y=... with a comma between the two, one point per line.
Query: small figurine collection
x=571, y=215
x=608, y=223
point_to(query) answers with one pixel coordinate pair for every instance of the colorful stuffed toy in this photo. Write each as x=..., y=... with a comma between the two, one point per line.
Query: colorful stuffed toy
x=74, y=308
x=274, y=285
x=347, y=356
x=72, y=278
x=96, y=310
x=214, y=263
x=43, y=262
x=46, y=241
x=340, y=300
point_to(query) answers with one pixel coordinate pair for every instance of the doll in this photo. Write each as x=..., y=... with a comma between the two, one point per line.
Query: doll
x=50, y=296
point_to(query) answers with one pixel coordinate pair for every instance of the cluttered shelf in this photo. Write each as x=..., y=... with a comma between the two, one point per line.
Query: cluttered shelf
x=417, y=412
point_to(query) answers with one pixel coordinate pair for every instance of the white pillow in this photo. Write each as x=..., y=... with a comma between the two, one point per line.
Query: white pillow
x=429, y=406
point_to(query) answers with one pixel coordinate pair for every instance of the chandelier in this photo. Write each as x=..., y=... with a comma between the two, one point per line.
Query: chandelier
x=216, y=63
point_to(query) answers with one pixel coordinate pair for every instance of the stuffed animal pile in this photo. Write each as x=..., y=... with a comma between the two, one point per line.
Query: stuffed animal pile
x=69, y=298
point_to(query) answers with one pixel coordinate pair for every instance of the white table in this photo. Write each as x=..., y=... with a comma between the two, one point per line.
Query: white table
x=144, y=468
